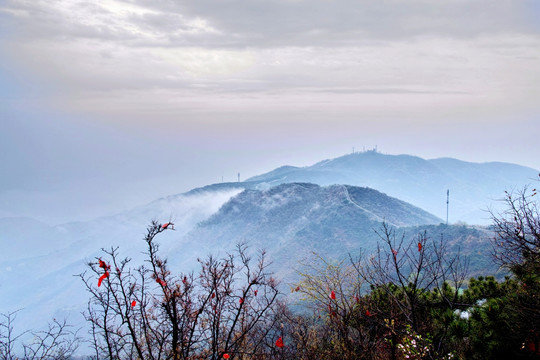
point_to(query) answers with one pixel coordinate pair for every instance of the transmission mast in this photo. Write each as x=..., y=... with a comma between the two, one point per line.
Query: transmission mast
x=447, y=202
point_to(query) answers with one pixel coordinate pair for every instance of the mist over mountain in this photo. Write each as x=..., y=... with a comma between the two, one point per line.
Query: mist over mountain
x=291, y=212
x=290, y=221
x=474, y=187
x=299, y=218
x=38, y=265
x=294, y=221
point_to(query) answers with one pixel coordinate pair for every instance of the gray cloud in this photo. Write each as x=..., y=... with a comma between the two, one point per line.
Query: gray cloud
x=345, y=22
x=268, y=23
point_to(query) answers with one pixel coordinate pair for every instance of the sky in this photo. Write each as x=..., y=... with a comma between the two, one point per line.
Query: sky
x=107, y=104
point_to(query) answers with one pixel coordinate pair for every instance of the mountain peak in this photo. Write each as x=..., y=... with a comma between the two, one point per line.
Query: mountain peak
x=424, y=183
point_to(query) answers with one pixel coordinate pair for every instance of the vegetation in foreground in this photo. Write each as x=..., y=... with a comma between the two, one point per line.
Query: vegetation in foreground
x=409, y=300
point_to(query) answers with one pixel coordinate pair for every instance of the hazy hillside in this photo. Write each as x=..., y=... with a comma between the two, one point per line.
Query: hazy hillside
x=293, y=220
x=474, y=187
x=472, y=242
x=39, y=262
x=25, y=237
x=290, y=220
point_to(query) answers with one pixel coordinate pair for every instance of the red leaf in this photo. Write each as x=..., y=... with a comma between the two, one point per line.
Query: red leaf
x=226, y=356
x=102, y=277
x=133, y=303
x=213, y=295
x=255, y=292
x=167, y=226
x=102, y=264
x=333, y=295
x=161, y=282
x=419, y=246
x=279, y=342
x=368, y=314
x=241, y=301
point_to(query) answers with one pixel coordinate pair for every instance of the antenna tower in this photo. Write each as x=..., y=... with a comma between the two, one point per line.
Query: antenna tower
x=447, y=202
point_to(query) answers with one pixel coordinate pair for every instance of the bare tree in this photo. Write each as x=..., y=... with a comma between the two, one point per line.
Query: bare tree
x=333, y=292
x=153, y=314
x=58, y=341
x=517, y=229
x=8, y=337
x=372, y=304
x=406, y=269
x=516, y=246
x=416, y=278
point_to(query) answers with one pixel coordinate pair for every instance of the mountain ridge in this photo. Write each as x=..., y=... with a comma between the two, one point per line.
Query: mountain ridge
x=297, y=217
x=474, y=187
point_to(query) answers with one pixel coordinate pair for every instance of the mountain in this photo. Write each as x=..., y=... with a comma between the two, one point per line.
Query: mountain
x=293, y=221
x=474, y=187
x=289, y=210
x=289, y=220
x=279, y=211
x=27, y=237
x=39, y=262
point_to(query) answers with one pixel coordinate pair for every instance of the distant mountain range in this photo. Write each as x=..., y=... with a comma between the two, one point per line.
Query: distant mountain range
x=474, y=187
x=290, y=211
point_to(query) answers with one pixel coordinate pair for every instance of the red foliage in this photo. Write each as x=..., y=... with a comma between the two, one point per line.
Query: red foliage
x=168, y=225
x=102, y=277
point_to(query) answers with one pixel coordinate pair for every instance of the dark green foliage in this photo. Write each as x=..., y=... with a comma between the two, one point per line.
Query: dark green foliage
x=416, y=304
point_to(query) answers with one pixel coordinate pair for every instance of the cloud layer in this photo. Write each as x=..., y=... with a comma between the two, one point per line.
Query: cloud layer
x=264, y=78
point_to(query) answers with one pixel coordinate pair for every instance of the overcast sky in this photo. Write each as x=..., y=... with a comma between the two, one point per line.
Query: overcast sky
x=106, y=104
